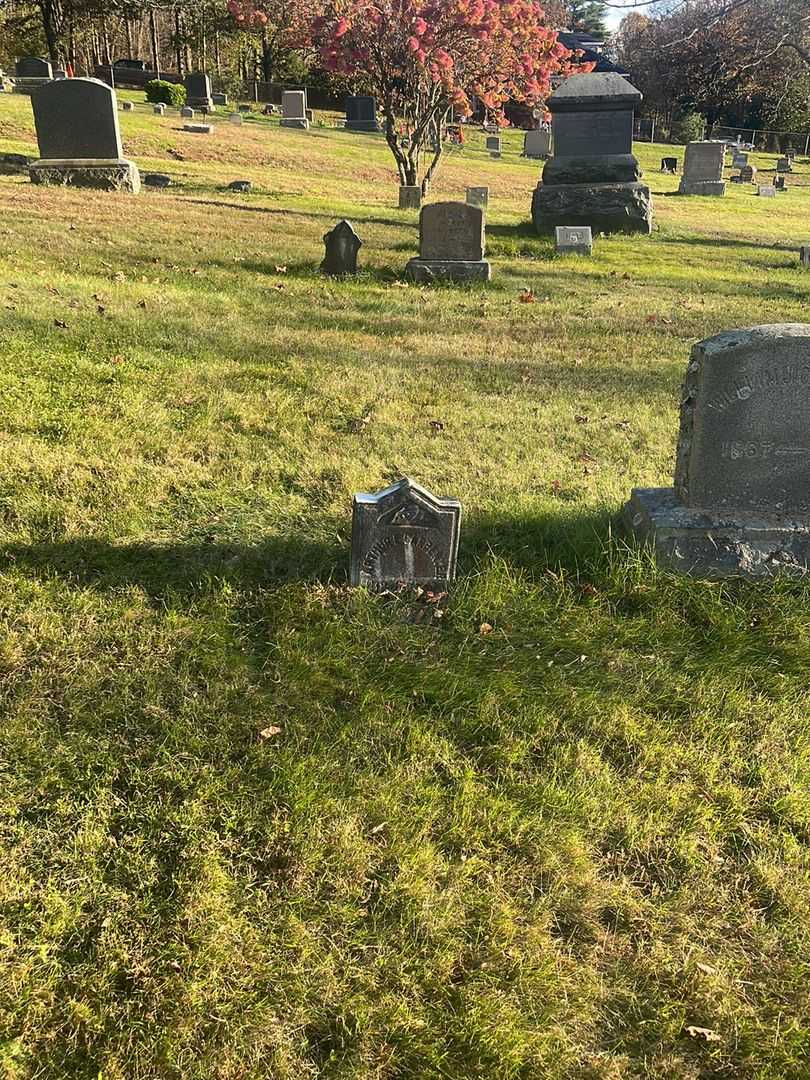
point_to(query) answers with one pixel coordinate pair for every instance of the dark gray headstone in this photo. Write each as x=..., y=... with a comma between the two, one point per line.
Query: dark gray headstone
x=669, y=165
x=740, y=504
x=294, y=109
x=157, y=180
x=804, y=255
x=244, y=186
x=410, y=196
x=198, y=90
x=76, y=118
x=403, y=535
x=361, y=113
x=593, y=115
x=537, y=143
x=342, y=245
x=33, y=67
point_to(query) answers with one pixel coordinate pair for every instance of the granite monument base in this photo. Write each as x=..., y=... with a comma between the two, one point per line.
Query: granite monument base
x=607, y=208
x=103, y=173
x=702, y=187
x=425, y=271
x=362, y=125
x=302, y=125
x=717, y=544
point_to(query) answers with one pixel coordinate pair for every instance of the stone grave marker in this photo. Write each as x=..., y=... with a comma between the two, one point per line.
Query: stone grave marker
x=187, y=112
x=780, y=183
x=593, y=178
x=748, y=173
x=493, y=144
x=294, y=109
x=537, y=143
x=31, y=72
x=197, y=129
x=703, y=169
x=244, y=186
x=669, y=165
x=198, y=90
x=740, y=504
x=159, y=108
x=157, y=180
x=739, y=160
x=361, y=113
x=573, y=240
x=403, y=535
x=804, y=255
x=219, y=99
x=478, y=196
x=14, y=163
x=766, y=191
x=451, y=244
x=342, y=245
x=76, y=122
x=783, y=165
x=410, y=197
x=235, y=118
x=127, y=106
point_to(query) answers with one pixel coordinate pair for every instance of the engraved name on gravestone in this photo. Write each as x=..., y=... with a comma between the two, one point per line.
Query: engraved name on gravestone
x=740, y=504
x=451, y=230
x=404, y=535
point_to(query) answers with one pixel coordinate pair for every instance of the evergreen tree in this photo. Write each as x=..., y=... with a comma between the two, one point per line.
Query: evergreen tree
x=587, y=15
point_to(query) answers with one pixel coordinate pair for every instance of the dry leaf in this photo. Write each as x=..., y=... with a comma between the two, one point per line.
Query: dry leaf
x=703, y=1033
x=526, y=296
x=707, y=969
x=281, y=269
x=581, y=419
x=436, y=426
x=117, y=359
x=268, y=732
x=485, y=628
x=141, y=303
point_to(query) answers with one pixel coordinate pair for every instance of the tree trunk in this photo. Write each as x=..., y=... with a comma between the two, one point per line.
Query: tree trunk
x=52, y=25
x=217, y=62
x=268, y=60
x=128, y=32
x=153, y=37
x=178, y=48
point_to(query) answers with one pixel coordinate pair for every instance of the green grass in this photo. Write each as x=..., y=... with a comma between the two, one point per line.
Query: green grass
x=541, y=852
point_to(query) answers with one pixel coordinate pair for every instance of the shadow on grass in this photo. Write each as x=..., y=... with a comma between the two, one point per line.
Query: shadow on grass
x=220, y=204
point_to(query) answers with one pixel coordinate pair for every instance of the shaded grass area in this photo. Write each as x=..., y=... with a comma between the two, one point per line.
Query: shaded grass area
x=257, y=824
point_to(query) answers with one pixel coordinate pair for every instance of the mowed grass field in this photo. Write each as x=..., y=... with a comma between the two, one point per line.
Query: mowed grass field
x=257, y=824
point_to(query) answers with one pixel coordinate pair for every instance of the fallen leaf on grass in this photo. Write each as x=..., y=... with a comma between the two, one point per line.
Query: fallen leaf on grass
x=100, y=309
x=117, y=359
x=706, y=969
x=269, y=732
x=485, y=628
x=526, y=296
x=60, y=323
x=436, y=426
x=280, y=269
x=581, y=419
x=703, y=1033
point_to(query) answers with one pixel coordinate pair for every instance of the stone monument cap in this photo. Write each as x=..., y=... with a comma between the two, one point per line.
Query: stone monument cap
x=594, y=90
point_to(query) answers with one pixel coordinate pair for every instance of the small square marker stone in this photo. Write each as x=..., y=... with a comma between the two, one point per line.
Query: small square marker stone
x=478, y=196
x=187, y=112
x=410, y=197
x=573, y=240
x=235, y=118
x=197, y=129
x=127, y=106
x=766, y=191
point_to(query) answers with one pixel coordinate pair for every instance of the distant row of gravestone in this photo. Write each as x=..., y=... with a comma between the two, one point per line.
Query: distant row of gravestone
x=739, y=506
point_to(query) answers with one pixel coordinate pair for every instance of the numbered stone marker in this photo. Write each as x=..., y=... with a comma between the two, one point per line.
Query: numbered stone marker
x=403, y=535
x=740, y=504
x=573, y=240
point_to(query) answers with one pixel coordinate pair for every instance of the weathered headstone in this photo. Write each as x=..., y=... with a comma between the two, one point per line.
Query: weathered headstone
x=493, y=144
x=739, y=160
x=478, y=196
x=669, y=165
x=740, y=505
x=294, y=109
x=219, y=99
x=361, y=113
x=573, y=240
x=593, y=178
x=342, y=245
x=127, y=106
x=703, y=169
x=159, y=108
x=537, y=143
x=243, y=186
x=783, y=165
x=14, y=163
x=747, y=174
x=76, y=122
x=131, y=64
x=804, y=255
x=766, y=191
x=198, y=90
x=187, y=112
x=157, y=180
x=451, y=244
x=410, y=196
x=235, y=118
x=780, y=183
x=31, y=72
x=197, y=129
x=403, y=535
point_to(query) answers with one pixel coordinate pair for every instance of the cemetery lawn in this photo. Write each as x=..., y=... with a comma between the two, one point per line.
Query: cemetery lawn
x=256, y=824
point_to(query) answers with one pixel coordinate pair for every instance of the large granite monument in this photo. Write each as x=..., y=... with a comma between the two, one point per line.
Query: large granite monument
x=451, y=244
x=31, y=72
x=361, y=113
x=593, y=178
x=198, y=91
x=740, y=505
x=403, y=535
x=79, y=142
x=703, y=169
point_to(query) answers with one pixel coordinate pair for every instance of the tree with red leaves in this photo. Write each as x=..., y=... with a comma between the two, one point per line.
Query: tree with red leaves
x=420, y=58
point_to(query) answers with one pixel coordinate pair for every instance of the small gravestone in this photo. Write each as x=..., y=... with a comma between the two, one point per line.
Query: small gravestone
x=361, y=113
x=537, y=143
x=766, y=191
x=493, y=144
x=703, y=169
x=30, y=73
x=740, y=505
x=198, y=90
x=747, y=174
x=268, y=110
x=410, y=196
x=403, y=536
x=159, y=108
x=669, y=165
x=804, y=255
x=244, y=186
x=783, y=165
x=219, y=99
x=235, y=118
x=157, y=180
x=76, y=122
x=187, y=112
x=593, y=178
x=451, y=244
x=197, y=129
x=478, y=196
x=14, y=163
x=780, y=183
x=739, y=160
x=127, y=106
x=245, y=109
x=342, y=245
x=294, y=109
x=573, y=240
